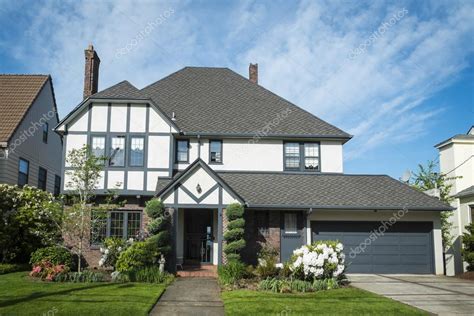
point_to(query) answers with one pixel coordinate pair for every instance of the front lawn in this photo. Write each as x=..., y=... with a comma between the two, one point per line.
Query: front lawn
x=20, y=295
x=342, y=301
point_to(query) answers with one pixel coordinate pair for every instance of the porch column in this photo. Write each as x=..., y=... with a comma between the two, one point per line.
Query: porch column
x=219, y=235
x=174, y=222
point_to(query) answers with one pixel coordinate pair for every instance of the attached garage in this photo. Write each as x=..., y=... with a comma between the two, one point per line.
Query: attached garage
x=405, y=247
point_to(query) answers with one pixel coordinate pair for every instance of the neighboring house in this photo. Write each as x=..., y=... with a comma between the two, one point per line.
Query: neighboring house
x=202, y=138
x=30, y=152
x=456, y=159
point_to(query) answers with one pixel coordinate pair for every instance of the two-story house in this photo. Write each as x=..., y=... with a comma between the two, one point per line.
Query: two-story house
x=456, y=160
x=30, y=152
x=202, y=138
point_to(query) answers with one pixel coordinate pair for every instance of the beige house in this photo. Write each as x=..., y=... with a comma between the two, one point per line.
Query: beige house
x=456, y=157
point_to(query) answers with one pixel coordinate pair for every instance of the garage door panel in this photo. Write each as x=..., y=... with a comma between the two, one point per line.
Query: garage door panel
x=405, y=249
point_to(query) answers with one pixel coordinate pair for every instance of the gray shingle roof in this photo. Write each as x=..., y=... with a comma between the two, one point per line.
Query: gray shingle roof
x=328, y=191
x=466, y=192
x=121, y=90
x=220, y=101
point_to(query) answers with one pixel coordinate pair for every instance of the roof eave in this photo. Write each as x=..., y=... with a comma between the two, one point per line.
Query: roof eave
x=350, y=207
x=344, y=138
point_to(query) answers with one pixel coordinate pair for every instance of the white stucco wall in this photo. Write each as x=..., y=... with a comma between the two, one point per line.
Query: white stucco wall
x=386, y=215
x=331, y=156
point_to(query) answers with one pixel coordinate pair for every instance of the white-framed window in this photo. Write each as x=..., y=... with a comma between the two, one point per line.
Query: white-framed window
x=291, y=226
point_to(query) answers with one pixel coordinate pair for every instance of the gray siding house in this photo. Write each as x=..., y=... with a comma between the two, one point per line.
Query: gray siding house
x=30, y=152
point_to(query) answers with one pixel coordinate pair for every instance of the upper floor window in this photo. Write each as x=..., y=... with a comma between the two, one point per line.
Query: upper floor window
x=182, y=151
x=117, y=151
x=98, y=146
x=137, y=145
x=215, y=151
x=42, y=176
x=302, y=156
x=23, y=171
x=45, y=132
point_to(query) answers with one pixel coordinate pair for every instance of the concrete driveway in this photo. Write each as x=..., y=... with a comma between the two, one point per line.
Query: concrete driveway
x=435, y=294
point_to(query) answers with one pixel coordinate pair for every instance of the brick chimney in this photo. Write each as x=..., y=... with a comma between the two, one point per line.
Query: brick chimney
x=253, y=73
x=91, y=72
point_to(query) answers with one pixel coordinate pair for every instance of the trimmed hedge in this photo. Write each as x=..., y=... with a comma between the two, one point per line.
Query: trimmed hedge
x=235, y=232
x=10, y=267
x=54, y=254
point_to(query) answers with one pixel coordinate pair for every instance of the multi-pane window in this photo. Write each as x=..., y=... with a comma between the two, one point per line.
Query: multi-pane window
x=137, y=145
x=291, y=223
x=42, y=176
x=57, y=185
x=302, y=156
x=215, y=154
x=117, y=151
x=23, y=171
x=261, y=222
x=119, y=224
x=292, y=156
x=98, y=146
x=45, y=133
x=311, y=156
x=182, y=154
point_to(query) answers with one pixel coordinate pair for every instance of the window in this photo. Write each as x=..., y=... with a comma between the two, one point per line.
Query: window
x=311, y=156
x=302, y=156
x=261, y=222
x=215, y=151
x=98, y=146
x=119, y=224
x=23, y=171
x=117, y=151
x=57, y=185
x=290, y=223
x=137, y=145
x=42, y=175
x=292, y=156
x=45, y=133
x=182, y=154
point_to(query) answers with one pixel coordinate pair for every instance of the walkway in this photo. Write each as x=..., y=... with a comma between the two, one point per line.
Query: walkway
x=191, y=296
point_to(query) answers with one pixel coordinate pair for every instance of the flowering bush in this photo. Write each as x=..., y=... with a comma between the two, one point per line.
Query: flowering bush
x=45, y=270
x=111, y=251
x=321, y=260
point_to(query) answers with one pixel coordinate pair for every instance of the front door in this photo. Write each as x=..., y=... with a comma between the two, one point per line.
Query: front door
x=198, y=235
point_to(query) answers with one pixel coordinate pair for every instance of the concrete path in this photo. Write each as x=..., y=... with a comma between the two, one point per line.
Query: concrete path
x=191, y=296
x=436, y=294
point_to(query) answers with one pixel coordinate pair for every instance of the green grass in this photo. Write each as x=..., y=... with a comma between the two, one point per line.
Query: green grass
x=344, y=301
x=20, y=295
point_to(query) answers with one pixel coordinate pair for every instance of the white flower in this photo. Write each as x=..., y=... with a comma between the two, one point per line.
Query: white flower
x=106, y=251
x=101, y=262
x=339, y=247
x=339, y=270
x=101, y=250
x=279, y=265
x=119, y=249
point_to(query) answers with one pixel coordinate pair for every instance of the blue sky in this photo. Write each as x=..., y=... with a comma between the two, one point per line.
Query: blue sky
x=398, y=75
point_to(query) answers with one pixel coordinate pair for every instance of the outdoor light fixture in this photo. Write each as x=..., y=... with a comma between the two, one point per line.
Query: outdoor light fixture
x=198, y=188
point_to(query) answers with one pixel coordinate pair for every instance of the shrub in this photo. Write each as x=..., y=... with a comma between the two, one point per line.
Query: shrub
x=46, y=270
x=111, y=251
x=85, y=276
x=468, y=249
x=10, y=267
x=267, y=260
x=154, y=208
x=159, y=227
x=235, y=231
x=151, y=274
x=232, y=272
x=138, y=255
x=297, y=286
x=321, y=260
x=55, y=254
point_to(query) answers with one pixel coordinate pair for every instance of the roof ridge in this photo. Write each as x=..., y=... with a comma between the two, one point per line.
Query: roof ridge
x=24, y=75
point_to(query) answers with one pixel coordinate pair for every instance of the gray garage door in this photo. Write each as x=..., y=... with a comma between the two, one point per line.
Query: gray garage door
x=405, y=247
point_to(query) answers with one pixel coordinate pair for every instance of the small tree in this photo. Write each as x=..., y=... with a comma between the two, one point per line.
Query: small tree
x=426, y=179
x=468, y=249
x=159, y=226
x=80, y=217
x=234, y=236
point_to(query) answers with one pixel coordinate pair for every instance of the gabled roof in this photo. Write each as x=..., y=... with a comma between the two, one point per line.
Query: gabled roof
x=466, y=192
x=17, y=94
x=165, y=185
x=218, y=101
x=121, y=90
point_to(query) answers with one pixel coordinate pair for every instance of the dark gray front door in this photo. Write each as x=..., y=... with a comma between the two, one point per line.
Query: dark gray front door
x=291, y=233
x=405, y=247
